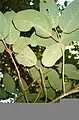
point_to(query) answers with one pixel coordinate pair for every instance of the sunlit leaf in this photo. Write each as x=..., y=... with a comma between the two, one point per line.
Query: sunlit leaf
x=51, y=55
x=71, y=71
x=4, y=27
x=35, y=40
x=54, y=80
x=20, y=43
x=68, y=38
x=13, y=33
x=26, y=57
x=49, y=8
x=51, y=94
x=26, y=19
x=8, y=83
x=69, y=19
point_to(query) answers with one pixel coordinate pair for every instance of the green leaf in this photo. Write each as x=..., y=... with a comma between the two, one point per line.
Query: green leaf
x=26, y=57
x=1, y=47
x=24, y=85
x=34, y=73
x=68, y=38
x=35, y=40
x=20, y=44
x=26, y=19
x=51, y=55
x=47, y=84
x=13, y=33
x=9, y=83
x=69, y=19
x=32, y=96
x=68, y=86
x=49, y=8
x=3, y=93
x=71, y=71
x=54, y=80
x=51, y=94
x=4, y=27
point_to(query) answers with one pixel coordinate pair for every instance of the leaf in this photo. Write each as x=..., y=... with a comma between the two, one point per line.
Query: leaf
x=34, y=73
x=51, y=55
x=4, y=31
x=9, y=83
x=24, y=85
x=13, y=33
x=68, y=86
x=51, y=94
x=3, y=93
x=49, y=8
x=69, y=18
x=71, y=71
x=26, y=19
x=20, y=43
x=47, y=84
x=54, y=80
x=32, y=96
x=26, y=57
x=1, y=47
x=35, y=40
x=68, y=38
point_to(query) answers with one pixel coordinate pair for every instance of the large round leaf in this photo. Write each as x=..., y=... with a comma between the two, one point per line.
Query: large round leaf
x=35, y=40
x=26, y=57
x=13, y=33
x=71, y=71
x=51, y=55
x=49, y=8
x=54, y=80
x=4, y=27
x=26, y=19
x=8, y=83
x=68, y=38
x=20, y=44
x=69, y=19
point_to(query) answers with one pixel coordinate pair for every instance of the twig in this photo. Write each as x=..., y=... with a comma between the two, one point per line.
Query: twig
x=42, y=82
x=66, y=94
x=10, y=53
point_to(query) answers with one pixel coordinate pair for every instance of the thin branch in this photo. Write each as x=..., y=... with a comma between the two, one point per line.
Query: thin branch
x=66, y=94
x=42, y=82
x=10, y=53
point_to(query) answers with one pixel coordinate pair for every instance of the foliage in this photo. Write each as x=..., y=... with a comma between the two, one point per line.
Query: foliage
x=39, y=74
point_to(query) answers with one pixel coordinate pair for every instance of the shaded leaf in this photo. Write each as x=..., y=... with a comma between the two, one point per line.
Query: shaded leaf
x=69, y=18
x=68, y=86
x=8, y=83
x=26, y=57
x=13, y=33
x=51, y=55
x=24, y=85
x=34, y=73
x=49, y=8
x=3, y=93
x=54, y=80
x=71, y=71
x=51, y=93
x=26, y=19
